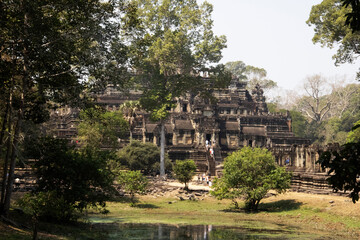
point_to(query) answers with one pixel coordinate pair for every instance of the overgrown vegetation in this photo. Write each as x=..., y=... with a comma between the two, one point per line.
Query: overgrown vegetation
x=139, y=156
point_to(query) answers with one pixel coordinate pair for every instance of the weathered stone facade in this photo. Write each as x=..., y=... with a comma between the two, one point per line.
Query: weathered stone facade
x=237, y=119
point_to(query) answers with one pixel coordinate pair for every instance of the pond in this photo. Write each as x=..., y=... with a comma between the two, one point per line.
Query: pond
x=134, y=231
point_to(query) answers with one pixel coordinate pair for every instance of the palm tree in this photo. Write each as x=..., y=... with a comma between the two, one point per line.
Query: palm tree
x=129, y=109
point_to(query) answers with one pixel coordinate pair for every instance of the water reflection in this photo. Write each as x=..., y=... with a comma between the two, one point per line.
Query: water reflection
x=178, y=232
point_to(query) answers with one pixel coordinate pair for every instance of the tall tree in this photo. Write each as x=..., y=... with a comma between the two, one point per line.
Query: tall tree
x=317, y=103
x=331, y=29
x=129, y=109
x=250, y=74
x=50, y=50
x=173, y=45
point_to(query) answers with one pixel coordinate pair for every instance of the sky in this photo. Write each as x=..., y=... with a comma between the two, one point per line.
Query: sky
x=274, y=35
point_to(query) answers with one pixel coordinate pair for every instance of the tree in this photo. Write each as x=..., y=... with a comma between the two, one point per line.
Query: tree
x=258, y=76
x=173, y=45
x=132, y=182
x=250, y=172
x=51, y=50
x=344, y=167
x=330, y=19
x=353, y=17
x=184, y=171
x=100, y=128
x=250, y=74
x=342, y=96
x=317, y=103
x=41, y=204
x=354, y=135
x=129, y=109
x=141, y=156
x=237, y=69
x=80, y=179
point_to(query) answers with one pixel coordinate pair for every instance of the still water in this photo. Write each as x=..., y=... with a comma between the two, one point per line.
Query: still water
x=132, y=231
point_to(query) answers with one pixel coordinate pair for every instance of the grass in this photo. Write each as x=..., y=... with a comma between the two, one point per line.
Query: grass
x=320, y=216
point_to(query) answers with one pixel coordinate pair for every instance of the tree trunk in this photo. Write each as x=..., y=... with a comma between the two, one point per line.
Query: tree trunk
x=5, y=119
x=131, y=135
x=10, y=181
x=5, y=172
x=162, y=150
x=35, y=228
x=8, y=151
x=23, y=90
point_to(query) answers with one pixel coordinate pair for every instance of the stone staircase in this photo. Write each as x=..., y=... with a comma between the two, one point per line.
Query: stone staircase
x=309, y=182
x=200, y=160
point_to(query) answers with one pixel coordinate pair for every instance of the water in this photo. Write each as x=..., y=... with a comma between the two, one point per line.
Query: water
x=111, y=231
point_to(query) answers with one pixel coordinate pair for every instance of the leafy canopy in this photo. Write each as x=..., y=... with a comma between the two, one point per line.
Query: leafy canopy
x=344, y=166
x=174, y=41
x=80, y=179
x=132, y=182
x=331, y=30
x=184, y=170
x=251, y=173
x=141, y=156
x=100, y=128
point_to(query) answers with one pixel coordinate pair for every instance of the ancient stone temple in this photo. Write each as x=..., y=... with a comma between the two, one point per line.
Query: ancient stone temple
x=238, y=118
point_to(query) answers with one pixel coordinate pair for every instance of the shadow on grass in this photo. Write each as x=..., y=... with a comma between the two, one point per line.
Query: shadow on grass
x=122, y=199
x=145, y=205
x=278, y=206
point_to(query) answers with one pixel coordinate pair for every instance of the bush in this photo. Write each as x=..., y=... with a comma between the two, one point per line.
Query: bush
x=145, y=157
x=250, y=172
x=132, y=182
x=77, y=179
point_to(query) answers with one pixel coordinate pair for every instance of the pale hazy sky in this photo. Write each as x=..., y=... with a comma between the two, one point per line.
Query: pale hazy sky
x=273, y=35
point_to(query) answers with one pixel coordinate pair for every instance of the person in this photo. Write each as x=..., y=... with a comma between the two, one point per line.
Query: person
x=198, y=177
x=287, y=161
x=212, y=152
x=207, y=144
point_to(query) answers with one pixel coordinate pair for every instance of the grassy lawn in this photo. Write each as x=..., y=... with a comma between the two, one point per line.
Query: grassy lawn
x=322, y=216
x=299, y=212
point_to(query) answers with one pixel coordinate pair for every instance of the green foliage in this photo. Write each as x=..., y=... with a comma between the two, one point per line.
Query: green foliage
x=174, y=41
x=298, y=123
x=354, y=135
x=251, y=172
x=237, y=69
x=172, y=45
x=77, y=179
x=344, y=167
x=184, y=171
x=353, y=17
x=132, y=182
x=141, y=156
x=331, y=29
x=101, y=128
x=47, y=205
x=250, y=74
